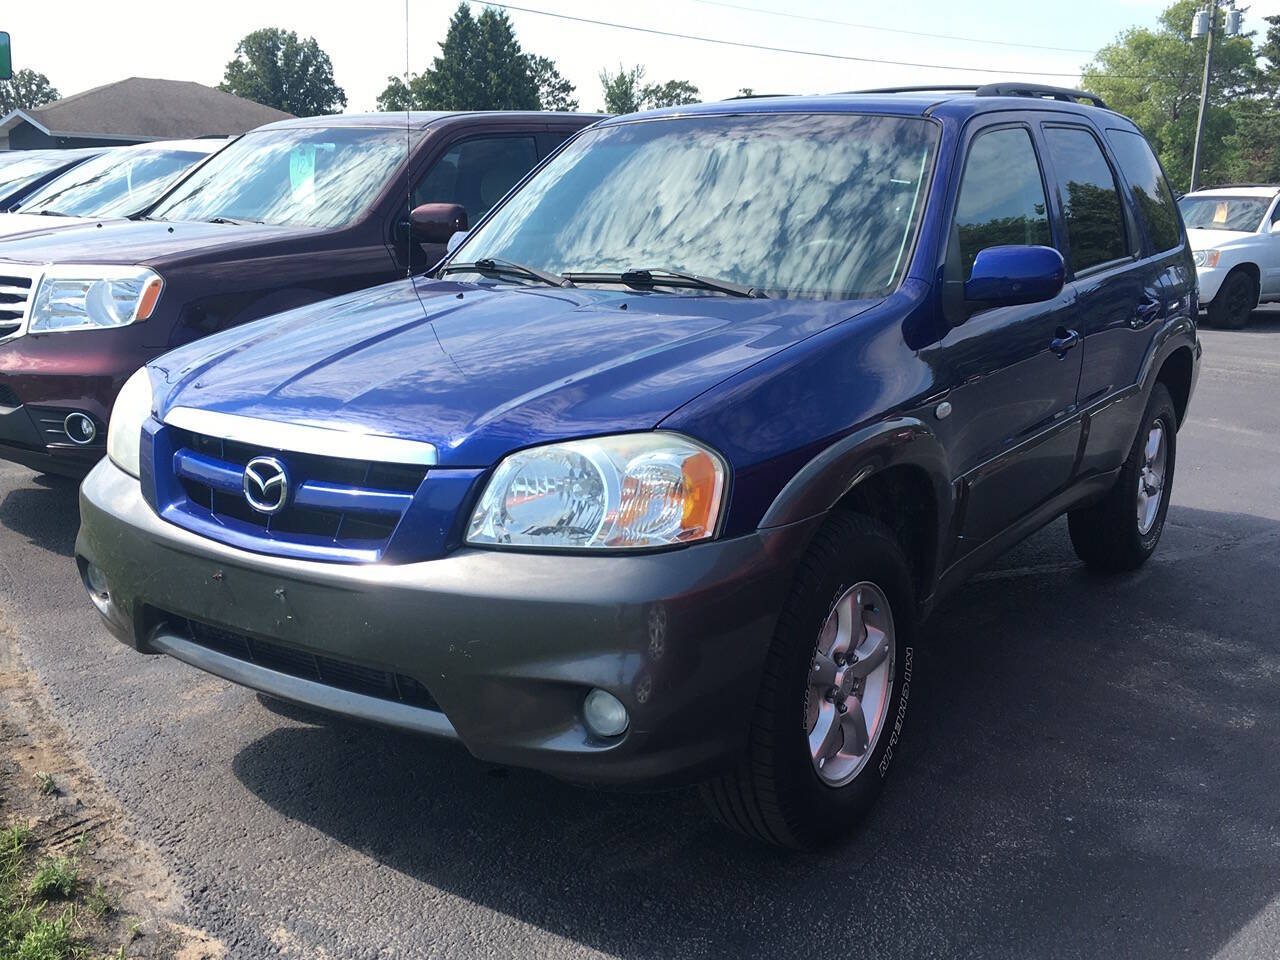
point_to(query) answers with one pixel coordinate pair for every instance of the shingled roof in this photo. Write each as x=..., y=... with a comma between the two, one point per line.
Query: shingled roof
x=141, y=108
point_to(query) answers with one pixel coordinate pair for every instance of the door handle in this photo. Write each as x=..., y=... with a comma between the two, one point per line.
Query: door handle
x=1146, y=311
x=1064, y=341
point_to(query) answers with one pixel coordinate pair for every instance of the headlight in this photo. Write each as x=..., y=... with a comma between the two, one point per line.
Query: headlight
x=1205, y=258
x=124, y=433
x=636, y=490
x=80, y=297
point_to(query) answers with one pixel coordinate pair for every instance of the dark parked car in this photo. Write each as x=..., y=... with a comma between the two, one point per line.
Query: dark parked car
x=290, y=213
x=655, y=478
x=121, y=183
x=23, y=172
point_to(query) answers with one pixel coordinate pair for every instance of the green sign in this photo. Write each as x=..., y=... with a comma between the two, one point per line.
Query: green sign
x=6, y=61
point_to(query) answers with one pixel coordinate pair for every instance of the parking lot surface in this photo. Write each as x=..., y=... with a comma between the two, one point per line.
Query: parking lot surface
x=1089, y=768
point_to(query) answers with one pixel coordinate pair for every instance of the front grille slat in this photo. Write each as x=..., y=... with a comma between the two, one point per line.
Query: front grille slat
x=15, y=292
x=335, y=504
x=306, y=665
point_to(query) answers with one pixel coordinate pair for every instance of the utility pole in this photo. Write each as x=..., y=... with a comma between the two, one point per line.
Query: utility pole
x=1205, y=24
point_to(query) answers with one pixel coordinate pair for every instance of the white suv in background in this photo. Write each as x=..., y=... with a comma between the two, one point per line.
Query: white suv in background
x=1235, y=234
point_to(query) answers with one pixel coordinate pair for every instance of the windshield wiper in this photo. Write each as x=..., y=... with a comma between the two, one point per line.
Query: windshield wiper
x=663, y=277
x=499, y=267
x=234, y=220
x=49, y=213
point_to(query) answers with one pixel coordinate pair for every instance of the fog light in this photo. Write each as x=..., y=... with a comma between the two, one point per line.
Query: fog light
x=80, y=428
x=96, y=581
x=604, y=713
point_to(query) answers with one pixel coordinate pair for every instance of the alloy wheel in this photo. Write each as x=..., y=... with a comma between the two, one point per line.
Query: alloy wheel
x=850, y=680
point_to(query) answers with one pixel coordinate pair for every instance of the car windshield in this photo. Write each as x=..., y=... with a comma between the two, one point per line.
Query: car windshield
x=23, y=169
x=793, y=205
x=303, y=176
x=116, y=184
x=1223, y=213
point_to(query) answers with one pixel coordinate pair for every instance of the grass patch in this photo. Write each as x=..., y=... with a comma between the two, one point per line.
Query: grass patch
x=29, y=928
x=46, y=786
x=55, y=877
x=100, y=901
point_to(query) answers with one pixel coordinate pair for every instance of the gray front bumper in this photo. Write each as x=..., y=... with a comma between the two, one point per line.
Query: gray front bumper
x=508, y=644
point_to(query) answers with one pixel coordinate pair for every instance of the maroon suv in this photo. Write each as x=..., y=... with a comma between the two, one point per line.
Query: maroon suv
x=291, y=213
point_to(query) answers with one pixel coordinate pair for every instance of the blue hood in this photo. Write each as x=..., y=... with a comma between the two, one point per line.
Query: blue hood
x=481, y=370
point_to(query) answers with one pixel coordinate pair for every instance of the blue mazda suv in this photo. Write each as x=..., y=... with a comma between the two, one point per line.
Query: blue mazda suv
x=654, y=478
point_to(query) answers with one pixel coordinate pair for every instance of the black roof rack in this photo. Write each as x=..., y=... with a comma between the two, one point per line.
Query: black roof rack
x=1038, y=90
x=1065, y=94
x=1229, y=186
x=758, y=96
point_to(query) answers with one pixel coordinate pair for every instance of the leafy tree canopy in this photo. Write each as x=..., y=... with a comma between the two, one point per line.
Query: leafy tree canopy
x=624, y=93
x=481, y=67
x=25, y=90
x=275, y=68
x=1153, y=76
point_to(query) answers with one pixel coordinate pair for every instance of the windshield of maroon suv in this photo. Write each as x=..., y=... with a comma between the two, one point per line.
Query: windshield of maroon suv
x=792, y=205
x=115, y=184
x=296, y=176
x=1223, y=213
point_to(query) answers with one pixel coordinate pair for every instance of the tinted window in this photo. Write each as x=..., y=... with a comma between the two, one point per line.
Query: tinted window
x=1218, y=212
x=1151, y=194
x=477, y=173
x=1001, y=198
x=1090, y=201
x=803, y=205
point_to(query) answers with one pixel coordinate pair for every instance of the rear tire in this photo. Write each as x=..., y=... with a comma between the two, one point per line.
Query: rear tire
x=1235, y=301
x=1121, y=531
x=833, y=697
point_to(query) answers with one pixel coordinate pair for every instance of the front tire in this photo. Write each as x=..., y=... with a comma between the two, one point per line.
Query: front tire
x=831, y=704
x=1120, y=532
x=1235, y=301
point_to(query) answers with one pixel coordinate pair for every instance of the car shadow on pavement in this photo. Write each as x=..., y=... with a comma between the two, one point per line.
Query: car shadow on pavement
x=46, y=511
x=1089, y=769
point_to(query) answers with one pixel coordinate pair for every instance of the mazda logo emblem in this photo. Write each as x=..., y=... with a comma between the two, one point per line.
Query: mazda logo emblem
x=266, y=485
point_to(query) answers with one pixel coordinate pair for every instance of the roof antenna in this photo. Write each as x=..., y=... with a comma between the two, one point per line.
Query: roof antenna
x=408, y=152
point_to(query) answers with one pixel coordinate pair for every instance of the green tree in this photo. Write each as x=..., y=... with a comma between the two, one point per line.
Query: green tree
x=1253, y=149
x=1153, y=76
x=480, y=67
x=25, y=90
x=554, y=91
x=622, y=93
x=673, y=93
x=273, y=67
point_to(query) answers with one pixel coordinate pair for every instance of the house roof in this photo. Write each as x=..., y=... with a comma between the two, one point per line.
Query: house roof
x=142, y=108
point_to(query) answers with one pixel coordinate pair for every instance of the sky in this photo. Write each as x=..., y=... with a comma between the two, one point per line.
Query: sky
x=80, y=44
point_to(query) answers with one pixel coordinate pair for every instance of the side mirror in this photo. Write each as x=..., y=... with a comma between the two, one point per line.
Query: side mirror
x=1004, y=276
x=455, y=241
x=437, y=222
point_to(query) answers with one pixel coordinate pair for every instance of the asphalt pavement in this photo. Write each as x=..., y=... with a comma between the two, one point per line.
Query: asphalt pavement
x=1089, y=768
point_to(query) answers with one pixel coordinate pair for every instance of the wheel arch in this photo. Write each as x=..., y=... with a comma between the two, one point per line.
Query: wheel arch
x=895, y=472
x=1177, y=373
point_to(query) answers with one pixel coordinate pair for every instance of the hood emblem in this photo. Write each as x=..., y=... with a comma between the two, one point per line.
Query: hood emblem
x=266, y=485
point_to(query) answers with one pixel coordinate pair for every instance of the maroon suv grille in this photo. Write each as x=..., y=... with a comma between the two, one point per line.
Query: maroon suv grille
x=14, y=293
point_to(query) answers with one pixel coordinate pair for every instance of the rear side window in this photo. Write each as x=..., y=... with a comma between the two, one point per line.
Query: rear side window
x=477, y=173
x=1090, y=200
x=1001, y=197
x=1151, y=194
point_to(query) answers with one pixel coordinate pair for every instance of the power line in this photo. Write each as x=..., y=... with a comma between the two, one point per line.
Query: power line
x=804, y=53
x=870, y=26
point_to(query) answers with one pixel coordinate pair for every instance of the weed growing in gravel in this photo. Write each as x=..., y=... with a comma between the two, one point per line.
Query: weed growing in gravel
x=55, y=877
x=46, y=784
x=100, y=901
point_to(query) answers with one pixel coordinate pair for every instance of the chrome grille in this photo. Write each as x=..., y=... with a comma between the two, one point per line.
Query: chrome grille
x=15, y=300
